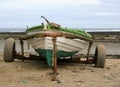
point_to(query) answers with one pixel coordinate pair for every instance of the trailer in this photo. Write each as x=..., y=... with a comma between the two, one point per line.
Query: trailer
x=55, y=44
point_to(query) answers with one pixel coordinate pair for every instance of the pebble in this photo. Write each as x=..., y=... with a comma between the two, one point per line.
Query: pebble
x=74, y=71
x=60, y=81
x=80, y=85
x=92, y=70
x=109, y=64
x=18, y=67
x=108, y=76
x=108, y=68
x=79, y=81
x=24, y=81
x=54, y=82
x=74, y=74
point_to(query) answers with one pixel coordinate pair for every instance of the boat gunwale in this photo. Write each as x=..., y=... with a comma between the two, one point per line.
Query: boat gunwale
x=50, y=33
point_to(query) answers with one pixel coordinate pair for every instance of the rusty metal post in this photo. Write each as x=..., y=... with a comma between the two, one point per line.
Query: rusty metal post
x=88, y=53
x=22, y=48
x=54, y=78
x=28, y=45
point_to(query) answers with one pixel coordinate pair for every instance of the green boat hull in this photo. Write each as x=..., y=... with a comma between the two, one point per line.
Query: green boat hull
x=47, y=54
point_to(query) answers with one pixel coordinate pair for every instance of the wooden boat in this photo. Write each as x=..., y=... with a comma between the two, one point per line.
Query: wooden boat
x=52, y=43
x=68, y=41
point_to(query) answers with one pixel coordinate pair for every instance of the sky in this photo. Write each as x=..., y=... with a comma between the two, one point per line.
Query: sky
x=67, y=13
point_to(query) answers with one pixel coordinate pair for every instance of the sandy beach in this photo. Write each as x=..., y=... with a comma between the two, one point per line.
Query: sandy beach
x=37, y=73
x=59, y=43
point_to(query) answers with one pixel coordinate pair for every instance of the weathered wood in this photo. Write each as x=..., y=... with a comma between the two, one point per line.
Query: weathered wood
x=88, y=51
x=72, y=36
x=56, y=33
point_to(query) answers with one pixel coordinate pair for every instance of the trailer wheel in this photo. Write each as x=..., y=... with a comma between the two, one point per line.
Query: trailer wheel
x=100, y=56
x=9, y=50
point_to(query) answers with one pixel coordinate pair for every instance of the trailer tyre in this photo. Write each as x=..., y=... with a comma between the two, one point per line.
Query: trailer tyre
x=9, y=50
x=100, y=56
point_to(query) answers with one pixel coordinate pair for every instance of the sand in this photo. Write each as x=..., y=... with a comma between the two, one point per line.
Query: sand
x=37, y=73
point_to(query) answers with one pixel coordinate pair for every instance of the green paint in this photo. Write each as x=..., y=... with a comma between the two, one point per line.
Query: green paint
x=47, y=54
x=74, y=31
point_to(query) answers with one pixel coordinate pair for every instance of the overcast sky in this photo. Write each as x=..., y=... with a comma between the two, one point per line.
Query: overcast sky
x=68, y=13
